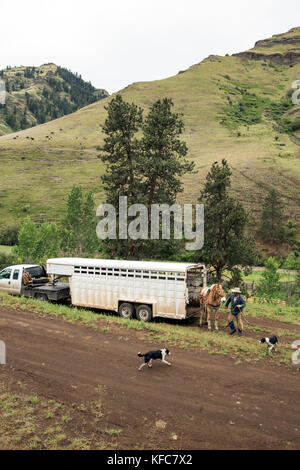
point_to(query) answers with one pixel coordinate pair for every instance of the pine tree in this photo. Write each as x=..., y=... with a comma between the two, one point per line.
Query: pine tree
x=147, y=169
x=23, y=122
x=271, y=227
x=163, y=163
x=90, y=242
x=270, y=283
x=71, y=224
x=121, y=150
x=225, y=244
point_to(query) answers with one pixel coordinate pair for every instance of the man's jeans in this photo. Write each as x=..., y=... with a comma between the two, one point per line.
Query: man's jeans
x=235, y=318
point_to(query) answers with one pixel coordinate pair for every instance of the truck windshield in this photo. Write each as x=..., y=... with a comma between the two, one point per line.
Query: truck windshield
x=5, y=274
x=37, y=271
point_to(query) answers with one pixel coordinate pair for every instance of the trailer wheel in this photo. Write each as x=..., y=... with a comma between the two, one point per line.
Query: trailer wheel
x=144, y=313
x=126, y=310
x=41, y=297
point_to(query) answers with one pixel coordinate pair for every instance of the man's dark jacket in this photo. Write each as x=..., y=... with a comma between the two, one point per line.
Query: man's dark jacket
x=235, y=301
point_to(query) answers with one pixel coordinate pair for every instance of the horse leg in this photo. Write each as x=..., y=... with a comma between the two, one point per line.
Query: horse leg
x=208, y=318
x=201, y=315
x=204, y=314
x=217, y=319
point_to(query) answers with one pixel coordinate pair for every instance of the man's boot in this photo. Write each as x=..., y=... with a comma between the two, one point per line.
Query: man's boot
x=233, y=328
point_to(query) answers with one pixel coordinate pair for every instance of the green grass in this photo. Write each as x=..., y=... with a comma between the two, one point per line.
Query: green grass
x=6, y=249
x=255, y=276
x=31, y=422
x=113, y=432
x=283, y=314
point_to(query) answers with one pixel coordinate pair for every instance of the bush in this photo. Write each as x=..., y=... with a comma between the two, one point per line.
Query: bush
x=292, y=261
x=269, y=287
x=9, y=235
x=7, y=260
x=36, y=244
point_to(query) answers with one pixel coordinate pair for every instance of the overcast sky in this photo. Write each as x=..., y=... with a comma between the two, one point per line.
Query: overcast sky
x=113, y=43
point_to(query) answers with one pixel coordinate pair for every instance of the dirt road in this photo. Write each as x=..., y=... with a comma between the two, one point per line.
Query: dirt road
x=202, y=401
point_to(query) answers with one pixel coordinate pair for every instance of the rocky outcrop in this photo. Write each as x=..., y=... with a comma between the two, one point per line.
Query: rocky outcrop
x=288, y=58
x=280, y=49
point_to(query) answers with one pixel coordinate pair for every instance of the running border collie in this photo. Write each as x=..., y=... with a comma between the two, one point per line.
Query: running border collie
x=153, y=355
x=271, y=342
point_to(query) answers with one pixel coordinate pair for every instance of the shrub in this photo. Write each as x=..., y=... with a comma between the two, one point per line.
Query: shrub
x=36, y=244
x=269, y=287
x=9, y=235
x=292, y=261
x=7, y=260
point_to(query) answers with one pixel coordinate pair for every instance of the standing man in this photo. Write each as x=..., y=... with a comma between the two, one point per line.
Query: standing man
x=237, y=305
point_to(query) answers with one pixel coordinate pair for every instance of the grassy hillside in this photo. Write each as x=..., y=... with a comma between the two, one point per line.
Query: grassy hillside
x=238, y=107
x=35, y=95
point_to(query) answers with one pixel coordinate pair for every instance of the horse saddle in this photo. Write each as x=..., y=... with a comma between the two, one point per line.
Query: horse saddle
x=204, y=293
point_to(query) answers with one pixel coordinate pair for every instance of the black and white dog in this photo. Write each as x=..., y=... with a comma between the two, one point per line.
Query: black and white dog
x=152, y=355
x=271, y=342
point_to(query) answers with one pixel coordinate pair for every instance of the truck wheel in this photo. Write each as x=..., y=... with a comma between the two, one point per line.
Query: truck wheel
x=41, y=297
x=126, y=310
x=144, y=313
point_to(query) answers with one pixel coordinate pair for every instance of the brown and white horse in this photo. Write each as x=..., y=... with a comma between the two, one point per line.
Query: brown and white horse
x=210, y=302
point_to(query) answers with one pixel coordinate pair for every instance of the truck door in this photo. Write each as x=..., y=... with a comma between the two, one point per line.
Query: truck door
x=15, y=282
x=5, y=279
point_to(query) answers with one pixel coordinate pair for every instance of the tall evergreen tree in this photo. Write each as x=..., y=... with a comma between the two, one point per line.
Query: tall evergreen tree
x=146, y=169
x=121, y=150
x=269, y=286
x=163, y=163
x=120, y=153
x=89, y=237
x=271, y=227
x=225, y=243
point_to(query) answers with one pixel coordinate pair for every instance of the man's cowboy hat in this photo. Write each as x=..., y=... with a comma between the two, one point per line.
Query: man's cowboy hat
x=236, y=289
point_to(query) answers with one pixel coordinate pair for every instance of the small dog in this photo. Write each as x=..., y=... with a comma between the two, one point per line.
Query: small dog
x=271, y=342
x=153, y=355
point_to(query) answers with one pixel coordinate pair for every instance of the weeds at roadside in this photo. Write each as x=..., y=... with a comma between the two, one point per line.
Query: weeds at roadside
x=113, y=432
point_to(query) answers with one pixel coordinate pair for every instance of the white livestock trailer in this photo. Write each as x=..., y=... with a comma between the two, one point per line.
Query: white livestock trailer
x=133, y=288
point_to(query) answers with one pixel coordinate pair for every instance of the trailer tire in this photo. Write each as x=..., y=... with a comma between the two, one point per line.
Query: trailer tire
x=126, y=310
x=41, y=297
x=144, y=313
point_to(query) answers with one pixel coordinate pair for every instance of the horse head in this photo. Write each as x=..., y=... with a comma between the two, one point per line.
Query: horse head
x=218, y=292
